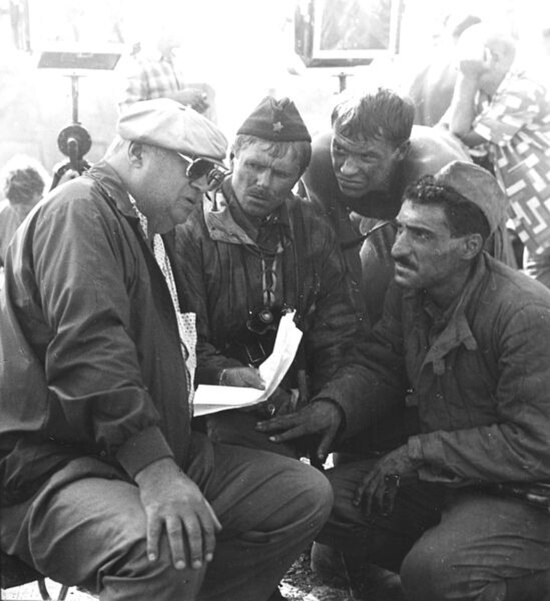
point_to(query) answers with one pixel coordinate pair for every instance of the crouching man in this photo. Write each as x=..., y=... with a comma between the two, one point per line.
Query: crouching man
x=460, y=509
x=103, y=482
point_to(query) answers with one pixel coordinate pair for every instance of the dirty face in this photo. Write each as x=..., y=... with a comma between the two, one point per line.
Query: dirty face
x=363, y=166
x=261, y=180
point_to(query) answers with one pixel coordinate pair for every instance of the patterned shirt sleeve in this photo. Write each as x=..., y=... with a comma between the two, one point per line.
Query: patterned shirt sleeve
x=514, y=106
x=134, y=88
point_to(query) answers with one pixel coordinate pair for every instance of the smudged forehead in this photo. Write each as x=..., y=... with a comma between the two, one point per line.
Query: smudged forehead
x=427, y=217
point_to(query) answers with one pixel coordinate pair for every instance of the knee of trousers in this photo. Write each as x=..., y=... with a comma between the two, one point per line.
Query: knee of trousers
x=427, y=574
x=160, y=578
x=127, y=559
x=313, y=497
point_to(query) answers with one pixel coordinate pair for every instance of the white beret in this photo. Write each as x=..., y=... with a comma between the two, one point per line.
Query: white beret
x=166, y=123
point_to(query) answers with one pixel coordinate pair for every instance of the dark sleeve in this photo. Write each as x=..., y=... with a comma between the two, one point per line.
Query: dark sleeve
x=374, y=381
x=190, y=276
x=321, y=185
x=82, y=265
x=515, y=448
x=333, y=326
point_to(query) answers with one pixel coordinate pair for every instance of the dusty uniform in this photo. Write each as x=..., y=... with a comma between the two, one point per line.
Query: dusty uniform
x=478, y=375
x=229, y=273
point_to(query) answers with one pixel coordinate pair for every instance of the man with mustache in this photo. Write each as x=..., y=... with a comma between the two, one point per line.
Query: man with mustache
x=253, y=251
x=357, y=176
x=103, y=483
x=461, y=509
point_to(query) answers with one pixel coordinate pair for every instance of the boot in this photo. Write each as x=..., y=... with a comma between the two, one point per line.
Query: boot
x=368, y=582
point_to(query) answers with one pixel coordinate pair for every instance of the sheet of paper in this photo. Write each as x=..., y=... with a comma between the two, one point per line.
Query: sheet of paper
x=211, y=399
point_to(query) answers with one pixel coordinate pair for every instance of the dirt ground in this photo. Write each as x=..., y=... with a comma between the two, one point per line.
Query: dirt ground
x=300, y=584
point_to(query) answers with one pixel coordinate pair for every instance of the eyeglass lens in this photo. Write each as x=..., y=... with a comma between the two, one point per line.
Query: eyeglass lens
x=201, y=167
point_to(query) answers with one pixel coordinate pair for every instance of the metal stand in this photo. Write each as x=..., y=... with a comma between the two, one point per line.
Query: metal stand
x=73, y=141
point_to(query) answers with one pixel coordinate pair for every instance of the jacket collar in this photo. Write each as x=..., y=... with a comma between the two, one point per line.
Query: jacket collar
x=109, y=180
x=226, y=222
x=456, y=331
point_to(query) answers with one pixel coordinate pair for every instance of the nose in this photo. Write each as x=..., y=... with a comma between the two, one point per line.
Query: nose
x=263, y=178
x=349, y=166
x=401, y=246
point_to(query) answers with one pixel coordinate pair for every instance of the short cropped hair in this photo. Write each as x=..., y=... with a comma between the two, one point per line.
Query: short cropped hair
x=381, y=114
x=300, y=148
x=22, y=179
x=463, y=216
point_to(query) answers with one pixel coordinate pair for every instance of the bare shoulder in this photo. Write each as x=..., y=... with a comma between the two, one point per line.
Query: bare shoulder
x=431, y=149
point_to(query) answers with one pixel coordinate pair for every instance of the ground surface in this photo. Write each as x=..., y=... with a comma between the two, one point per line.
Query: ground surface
x=298, y=585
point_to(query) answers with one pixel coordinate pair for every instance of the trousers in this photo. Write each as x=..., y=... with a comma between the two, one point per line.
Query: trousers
x=446, y=544
x=87, y=527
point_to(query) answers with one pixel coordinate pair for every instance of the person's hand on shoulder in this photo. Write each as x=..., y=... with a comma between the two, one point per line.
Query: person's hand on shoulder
x=175, y=504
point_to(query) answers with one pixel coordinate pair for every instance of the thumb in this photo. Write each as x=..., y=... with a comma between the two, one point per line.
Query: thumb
x=251, y=377
x=324, y=445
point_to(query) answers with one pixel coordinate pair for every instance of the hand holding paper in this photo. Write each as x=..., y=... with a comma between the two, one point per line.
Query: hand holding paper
x=211, y=399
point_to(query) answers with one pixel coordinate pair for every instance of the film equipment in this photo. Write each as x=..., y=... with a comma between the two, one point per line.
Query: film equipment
x=74, y=141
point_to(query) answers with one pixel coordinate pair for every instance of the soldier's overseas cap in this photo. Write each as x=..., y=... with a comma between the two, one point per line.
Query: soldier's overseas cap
x=169, y=124
x=276, y=120
x=478, y=186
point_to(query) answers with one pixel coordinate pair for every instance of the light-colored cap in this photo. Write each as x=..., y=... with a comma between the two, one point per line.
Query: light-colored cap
x=169, y=124
x=478, y=186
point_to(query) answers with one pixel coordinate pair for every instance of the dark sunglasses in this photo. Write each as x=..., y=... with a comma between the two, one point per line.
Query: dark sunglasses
x=200, y=167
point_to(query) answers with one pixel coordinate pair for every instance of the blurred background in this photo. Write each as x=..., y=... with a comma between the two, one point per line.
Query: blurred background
x=310, y=50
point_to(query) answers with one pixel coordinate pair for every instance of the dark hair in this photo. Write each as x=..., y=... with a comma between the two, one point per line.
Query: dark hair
x=463, y=216
x=22, y=179
x=378, y=114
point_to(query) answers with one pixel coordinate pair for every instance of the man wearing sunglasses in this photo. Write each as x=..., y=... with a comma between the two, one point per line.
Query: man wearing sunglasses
x=103, y=484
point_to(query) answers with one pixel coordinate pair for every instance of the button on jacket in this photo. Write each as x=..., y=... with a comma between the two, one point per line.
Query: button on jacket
x=479, y=375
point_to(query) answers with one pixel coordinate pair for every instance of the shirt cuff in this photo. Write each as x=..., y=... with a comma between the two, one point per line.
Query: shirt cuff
x=142, y=449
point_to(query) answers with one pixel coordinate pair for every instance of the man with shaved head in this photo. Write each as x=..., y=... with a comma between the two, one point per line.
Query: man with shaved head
x=498, y=105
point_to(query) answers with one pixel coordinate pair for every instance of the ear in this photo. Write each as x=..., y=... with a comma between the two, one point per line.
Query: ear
x=403, y=150
x=135, y=154
x=472, y=246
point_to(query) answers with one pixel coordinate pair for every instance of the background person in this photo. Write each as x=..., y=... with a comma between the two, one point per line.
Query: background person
x=498, y=104
x=23, y=180
x=154, y=71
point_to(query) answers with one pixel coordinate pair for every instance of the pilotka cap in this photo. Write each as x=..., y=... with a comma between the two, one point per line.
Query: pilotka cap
x=276, y=120
x=478, y=186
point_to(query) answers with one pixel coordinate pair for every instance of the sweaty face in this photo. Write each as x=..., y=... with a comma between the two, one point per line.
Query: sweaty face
x=363, y=166
x=425, y=254
x=261, y=182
